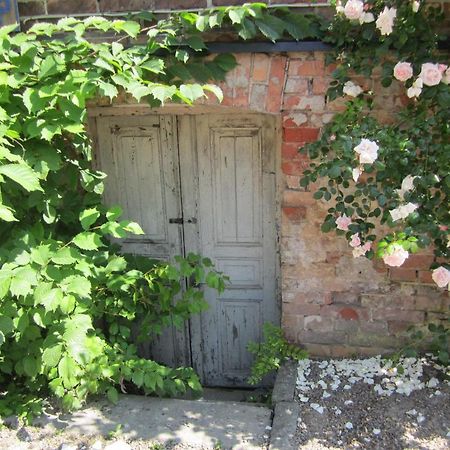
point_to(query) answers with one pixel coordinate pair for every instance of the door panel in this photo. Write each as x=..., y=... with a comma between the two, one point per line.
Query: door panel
x=219, y=169
x=236, y=203
x=140, y=156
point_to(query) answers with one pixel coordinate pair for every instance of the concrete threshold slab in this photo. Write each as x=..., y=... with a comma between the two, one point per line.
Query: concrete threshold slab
x=286, y=409
x=233, y=425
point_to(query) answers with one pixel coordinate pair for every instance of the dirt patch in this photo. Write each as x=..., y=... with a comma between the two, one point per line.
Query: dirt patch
x=368, y=406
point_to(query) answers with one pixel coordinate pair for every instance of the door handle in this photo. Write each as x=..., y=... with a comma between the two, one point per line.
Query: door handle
x=180, y=220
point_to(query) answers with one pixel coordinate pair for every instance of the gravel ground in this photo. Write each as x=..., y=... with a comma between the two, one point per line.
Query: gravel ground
x=354, y=415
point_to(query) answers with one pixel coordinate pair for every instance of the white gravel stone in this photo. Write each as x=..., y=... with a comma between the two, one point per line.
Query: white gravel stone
x=118, y=445
x=349, y=426
x=66, y=446
x=97, y=445
x=376, y=431
x=317, y=407
x=420, y=418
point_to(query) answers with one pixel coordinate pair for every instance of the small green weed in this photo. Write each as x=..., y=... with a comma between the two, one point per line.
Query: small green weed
x=271, y=353
x=116, y=432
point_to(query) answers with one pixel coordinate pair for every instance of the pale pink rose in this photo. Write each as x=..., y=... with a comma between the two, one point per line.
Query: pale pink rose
x=356, y=241
x=441, y=276
x=443, y=227
x=367, y=150
x=396, y=257
x=385, y=21
x=366, y=18
x=352, y=89
x=416, y=89
x=361, y=250
x=356, y=173
x=430, y=74
x=403, y=71
x=415, y=6
x=446, y=77
x=353, y=9
x=443, y=68
x=343, y=222
x=358, y=252
x=407, y=185
x=403, y=211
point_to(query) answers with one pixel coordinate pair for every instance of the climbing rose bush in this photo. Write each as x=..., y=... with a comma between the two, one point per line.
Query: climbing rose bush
x=388, y=182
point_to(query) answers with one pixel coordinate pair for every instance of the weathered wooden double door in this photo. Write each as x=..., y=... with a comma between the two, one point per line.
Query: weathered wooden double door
x=216, y=173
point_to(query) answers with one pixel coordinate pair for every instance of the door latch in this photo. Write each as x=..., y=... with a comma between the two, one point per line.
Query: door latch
x=180, y=220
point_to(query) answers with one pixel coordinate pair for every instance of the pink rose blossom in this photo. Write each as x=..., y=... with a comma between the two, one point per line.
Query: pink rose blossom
x=343, y=222
x=441, y=276
x=366, y=18
x=356, y=173
x=416, y=89
x=443, y=68
x=443, y=227
x=403, y=71
x=352, y=89
x=361, y=250
x=353, y=9
x=430, y=74
x=396, y=257
x=356, y=241
x=385, y=21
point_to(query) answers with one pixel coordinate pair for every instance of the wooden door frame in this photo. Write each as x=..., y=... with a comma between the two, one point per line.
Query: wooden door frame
x=187, y=158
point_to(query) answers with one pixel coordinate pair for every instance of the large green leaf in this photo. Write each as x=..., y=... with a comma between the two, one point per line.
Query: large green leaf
x=77, y=284
x=130, y=27
x=138, y=90
x=30, y=366
x=48, y=296
x=66, y=256
x=107, y=89
x=154, y=65
x=52, y=355
x=51, y=65
x=191, y=91
x=88, y=217
x=22, y=174
x=67, y=369
x=6, y=324
x=7, y=214
x=88, y=241
x=162, y=93
x=24, y=278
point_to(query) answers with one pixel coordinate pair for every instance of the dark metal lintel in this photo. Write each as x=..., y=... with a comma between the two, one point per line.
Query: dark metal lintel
x=268, y=47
